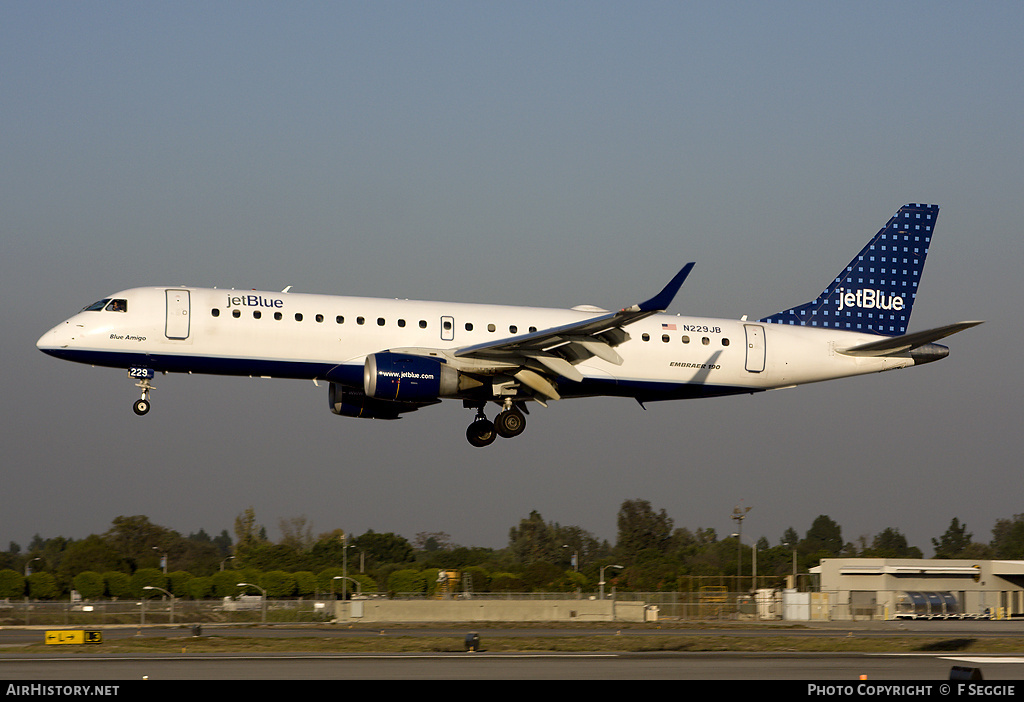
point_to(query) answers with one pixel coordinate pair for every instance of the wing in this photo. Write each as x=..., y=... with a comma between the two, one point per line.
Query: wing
x=539, y=359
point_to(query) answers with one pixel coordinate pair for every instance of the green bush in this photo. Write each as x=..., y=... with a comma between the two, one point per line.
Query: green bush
x=278, y=583
x=143, y=577
x=90, y=585
x=305, y=583
x=408, y=580
x=12, y=583
x=119, y=585
x=201, y=587
x=508, y=582
x=177, y=582
x=42, y=586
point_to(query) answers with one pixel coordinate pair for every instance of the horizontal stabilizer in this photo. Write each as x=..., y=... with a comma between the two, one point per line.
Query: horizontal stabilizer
x=894, y=345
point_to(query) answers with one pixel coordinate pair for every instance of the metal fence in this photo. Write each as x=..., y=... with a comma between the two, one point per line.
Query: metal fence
x=707, y=604
x=145, y=612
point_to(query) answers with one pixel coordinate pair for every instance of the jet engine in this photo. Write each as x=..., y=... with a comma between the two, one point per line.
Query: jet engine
x=396, y=377
x=348, y=402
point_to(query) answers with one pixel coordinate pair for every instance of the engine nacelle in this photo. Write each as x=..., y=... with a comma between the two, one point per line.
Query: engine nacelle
x=397, y=377
x=353, y=403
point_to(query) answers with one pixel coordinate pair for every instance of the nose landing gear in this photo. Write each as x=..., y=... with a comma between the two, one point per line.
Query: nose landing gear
x=143, y=375
x=142, y=405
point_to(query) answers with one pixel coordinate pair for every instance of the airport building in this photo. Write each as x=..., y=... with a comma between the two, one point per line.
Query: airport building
x=908, y=588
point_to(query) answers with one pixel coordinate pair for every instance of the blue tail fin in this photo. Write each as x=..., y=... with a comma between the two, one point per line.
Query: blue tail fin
x=876, y=292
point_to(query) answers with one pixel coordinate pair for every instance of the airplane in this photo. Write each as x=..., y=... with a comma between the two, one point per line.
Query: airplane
x=382, y=358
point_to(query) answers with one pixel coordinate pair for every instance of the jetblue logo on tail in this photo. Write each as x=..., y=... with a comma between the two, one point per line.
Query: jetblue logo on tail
x=876, y=291
x=868, y=299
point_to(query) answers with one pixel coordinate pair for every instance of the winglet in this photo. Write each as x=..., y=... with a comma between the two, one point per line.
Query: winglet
x=662, y=300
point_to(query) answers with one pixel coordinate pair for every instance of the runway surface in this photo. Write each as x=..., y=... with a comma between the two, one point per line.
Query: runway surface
x=86, y=665
x=482, y=666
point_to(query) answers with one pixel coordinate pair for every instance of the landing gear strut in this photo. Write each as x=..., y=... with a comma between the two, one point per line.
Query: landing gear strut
x=510, y=422
x=142, y=405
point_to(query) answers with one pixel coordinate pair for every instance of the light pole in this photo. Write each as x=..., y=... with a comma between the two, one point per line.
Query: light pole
x=601, y=583
x=163, y=558
x=793, y=546
x=359, y=585
x=753, y=560
x=575, y=558
x=223, y=562
x=263, y=593
x=153, y=587
x=738, y=515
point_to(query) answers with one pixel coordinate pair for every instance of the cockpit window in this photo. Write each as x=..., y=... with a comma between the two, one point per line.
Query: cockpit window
x=96, y=306
x=117, y=305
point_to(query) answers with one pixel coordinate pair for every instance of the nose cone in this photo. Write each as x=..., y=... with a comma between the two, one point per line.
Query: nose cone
x=55, y=340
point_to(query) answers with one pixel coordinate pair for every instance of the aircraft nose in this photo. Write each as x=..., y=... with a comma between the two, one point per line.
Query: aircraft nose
x=57, y=338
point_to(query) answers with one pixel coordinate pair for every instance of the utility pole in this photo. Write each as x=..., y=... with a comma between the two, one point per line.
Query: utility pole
x=738, y=515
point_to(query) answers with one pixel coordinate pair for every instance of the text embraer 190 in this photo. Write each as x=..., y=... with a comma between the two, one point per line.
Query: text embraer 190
x=383, y=358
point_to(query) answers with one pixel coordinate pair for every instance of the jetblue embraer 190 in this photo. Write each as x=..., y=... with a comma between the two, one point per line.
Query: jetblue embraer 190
x=383, y=358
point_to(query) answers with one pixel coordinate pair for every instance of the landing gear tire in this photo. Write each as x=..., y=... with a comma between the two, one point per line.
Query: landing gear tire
x=141, y=407
x=481, y=433
x=510, y=423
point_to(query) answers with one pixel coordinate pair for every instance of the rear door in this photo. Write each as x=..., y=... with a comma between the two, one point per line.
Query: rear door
x=755, y=347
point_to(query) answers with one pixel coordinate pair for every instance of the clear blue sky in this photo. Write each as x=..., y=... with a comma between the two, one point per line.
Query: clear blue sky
x=540, y=153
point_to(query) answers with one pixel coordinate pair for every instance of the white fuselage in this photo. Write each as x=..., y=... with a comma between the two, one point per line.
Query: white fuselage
x=326, y=337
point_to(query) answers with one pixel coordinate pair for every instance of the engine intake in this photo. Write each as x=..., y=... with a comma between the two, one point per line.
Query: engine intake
x=399, y=377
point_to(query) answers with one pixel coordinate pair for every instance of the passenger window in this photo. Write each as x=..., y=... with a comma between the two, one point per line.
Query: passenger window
x=380, y=321
x=319, y=318
x=512, y=329
x=339, y=319
x=278, y=316
x=664, y=337
x=256, y=314
x=686, y=339
x=491, y=327
x=298, y=316
x=401, y=322
x=725, y=342
x=360, y=320
x=705, y=341
x=236, y=313
x=215, y=312
x=423, y=324
x=645, y=336
x=469, y=326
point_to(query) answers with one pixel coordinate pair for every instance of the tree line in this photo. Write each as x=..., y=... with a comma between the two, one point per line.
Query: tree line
x=650, y=554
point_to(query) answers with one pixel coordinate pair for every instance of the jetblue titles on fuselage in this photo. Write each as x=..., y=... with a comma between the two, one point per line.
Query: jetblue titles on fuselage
x=253, y=300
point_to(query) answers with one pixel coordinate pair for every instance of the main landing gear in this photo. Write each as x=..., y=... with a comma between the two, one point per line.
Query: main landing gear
x=508, y=423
